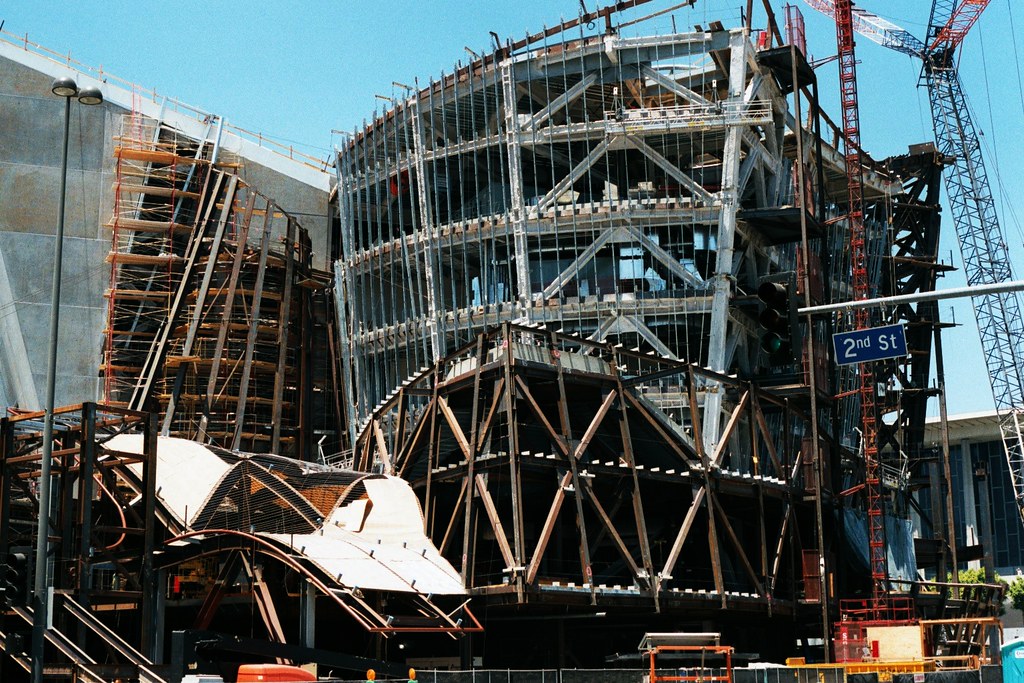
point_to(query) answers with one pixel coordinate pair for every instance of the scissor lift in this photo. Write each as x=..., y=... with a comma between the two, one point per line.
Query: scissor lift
x=706, y=659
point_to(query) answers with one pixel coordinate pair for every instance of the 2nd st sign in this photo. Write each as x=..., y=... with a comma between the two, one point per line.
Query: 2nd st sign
x=862, y=346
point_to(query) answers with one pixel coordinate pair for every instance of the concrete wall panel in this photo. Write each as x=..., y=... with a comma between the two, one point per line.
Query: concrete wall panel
x=17, y=79
x=30, y=268
x=30, y=196
x=31, y=130
x=307, y=204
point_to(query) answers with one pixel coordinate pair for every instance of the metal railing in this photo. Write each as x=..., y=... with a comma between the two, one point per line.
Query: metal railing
x=171, y=104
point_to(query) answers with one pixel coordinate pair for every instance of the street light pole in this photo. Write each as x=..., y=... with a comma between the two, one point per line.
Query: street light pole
x=66, y=88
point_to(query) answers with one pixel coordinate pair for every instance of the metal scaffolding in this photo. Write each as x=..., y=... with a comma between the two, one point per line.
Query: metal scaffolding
x=214, y=306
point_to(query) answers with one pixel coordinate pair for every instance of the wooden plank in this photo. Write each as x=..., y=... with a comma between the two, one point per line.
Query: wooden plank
x=405, y=452
x=453, y=424
x=496, y=403
x=581, y=523
x=443, y=547
x=698, y=438
x=265, y=602
x=731, y=533
x=154, y=190
x=506, y=389
x=698, y=435
x=153, y=156
x=779, y=545
x=382, y=447
x=636, y=499
x=119, y=257
x=665, y=436
x=225, y=579
x=147, y=226
x=474, y=439
x=766, y=435
x=716, y=558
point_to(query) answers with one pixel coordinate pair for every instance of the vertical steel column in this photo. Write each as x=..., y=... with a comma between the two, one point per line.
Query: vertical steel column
x=307, y=615
x=517, y=212
x=429, y=238
x=86, y=483
x=150, y=589
x=42, y=583
x=947, y=476
x=343, y=297
x=723, y=280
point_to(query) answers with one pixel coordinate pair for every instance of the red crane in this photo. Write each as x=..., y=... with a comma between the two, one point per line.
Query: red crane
x=861, y=290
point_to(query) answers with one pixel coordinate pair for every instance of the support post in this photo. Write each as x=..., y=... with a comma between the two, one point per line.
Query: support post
x=307, y=615
x=721, y=284
x=517, y=210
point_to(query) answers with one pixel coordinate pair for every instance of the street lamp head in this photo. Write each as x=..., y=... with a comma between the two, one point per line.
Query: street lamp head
x=90, y=96
x=64, y=87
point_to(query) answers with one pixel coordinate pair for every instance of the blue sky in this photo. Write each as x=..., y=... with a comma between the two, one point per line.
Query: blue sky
x=298, y=70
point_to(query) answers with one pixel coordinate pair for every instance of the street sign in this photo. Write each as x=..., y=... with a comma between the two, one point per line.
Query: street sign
x=877, y=343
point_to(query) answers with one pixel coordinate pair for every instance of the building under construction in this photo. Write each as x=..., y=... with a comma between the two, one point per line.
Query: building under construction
x=564, y=309
x=567, y=300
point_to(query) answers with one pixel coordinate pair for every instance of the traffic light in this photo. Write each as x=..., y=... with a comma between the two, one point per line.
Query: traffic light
x=778, y=318
x=14, y=580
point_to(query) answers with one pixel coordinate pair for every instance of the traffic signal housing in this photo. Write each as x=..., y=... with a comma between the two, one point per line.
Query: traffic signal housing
x=779, y=318
x=14, y=580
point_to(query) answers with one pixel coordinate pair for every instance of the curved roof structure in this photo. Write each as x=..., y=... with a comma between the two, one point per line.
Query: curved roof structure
x=364, y=531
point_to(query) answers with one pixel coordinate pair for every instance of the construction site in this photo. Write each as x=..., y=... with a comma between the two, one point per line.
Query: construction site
x=608, y=336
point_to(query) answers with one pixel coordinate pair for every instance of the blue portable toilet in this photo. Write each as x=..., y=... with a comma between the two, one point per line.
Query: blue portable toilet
x=1013, y=662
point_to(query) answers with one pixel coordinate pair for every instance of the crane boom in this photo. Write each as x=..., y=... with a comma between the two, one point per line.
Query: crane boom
x=982, y=244
x=875, y=28
x=959, y=19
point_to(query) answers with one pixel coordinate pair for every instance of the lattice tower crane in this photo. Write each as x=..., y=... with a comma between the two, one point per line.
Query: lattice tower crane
x=982, y=245
x=843, y=10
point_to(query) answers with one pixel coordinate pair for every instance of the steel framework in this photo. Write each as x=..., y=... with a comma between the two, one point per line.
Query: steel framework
x=547, y=473
x=214, y=306
x=634, y=191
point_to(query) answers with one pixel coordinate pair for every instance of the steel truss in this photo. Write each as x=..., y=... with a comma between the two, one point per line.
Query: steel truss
x=548, y=475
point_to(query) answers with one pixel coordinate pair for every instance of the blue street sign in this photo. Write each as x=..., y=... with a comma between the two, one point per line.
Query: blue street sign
x=861, y=346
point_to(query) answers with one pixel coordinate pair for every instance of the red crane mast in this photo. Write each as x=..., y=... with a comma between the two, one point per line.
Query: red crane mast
x=861, y=290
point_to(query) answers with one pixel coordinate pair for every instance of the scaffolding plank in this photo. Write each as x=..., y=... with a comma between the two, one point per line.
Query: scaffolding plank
x=154, y=156
x=125, y=258
x=154, y=190
x=147, y=226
